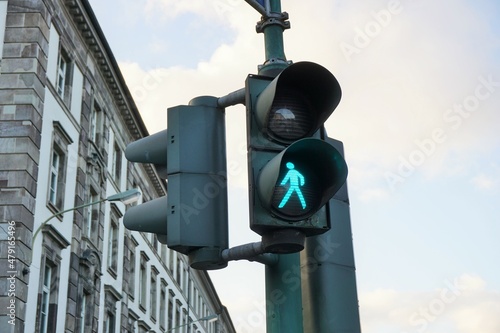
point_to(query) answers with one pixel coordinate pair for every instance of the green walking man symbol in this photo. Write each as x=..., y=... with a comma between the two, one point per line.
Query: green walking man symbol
x=294, y=177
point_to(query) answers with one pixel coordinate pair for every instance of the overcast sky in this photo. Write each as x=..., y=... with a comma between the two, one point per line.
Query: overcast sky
x=419, y=119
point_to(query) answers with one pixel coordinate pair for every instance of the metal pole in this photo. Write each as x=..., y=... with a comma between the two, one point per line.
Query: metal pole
x=284, y=295
x=236, y=97
x=272, y=25
x=328, y=272
x=283, y=280
x=273, y=35
x=62, y=212
x=257, y=6
x=251, y=252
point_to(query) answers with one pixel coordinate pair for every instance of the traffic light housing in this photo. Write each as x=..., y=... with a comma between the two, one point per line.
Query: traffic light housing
x=293, y=170
x=192, y=219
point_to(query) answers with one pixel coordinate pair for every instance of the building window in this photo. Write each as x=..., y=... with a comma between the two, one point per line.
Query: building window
x=153, y=294
x=163, y=304
x=46, y=324
x=113, y=246
x=163, y=253
x=132, y=319
x=57, y=172
x=92, y=218
x=62, y=66
x=184, y=320
x=177, y=313
x=95, y=123
x=89, y=283
x=142, y=284
x=110, y=323
x=171, y=254
x=113, y=240
x=144, y=327
x=200, y=302
x=154, y=242
x=117, y=163
x=54, y=177
x=57, y=178
x=192, y=295
x=143, y=281
x=190, y=321
x=64, y=76
x=52, y=245
x=178, y=272
x=131, y=277
x=83, y=312
x=195, y=299
x=48, y=298
x=185, y=285
x=111, y=297
x=170, y=316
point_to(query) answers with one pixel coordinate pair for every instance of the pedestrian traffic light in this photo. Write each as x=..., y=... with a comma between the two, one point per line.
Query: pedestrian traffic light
x=293, y=171
x=191, y=154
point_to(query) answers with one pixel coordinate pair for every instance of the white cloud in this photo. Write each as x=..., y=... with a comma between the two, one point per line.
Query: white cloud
x=215, y=12
x=483, y=182
x=397, y=90
x=373, y=194
x=479, y=316
x=487, y=178
x=379, y=298
x=463, y=305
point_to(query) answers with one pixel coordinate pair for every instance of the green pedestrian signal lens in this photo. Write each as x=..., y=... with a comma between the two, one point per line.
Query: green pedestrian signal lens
x=296, y=180
x=295, y=194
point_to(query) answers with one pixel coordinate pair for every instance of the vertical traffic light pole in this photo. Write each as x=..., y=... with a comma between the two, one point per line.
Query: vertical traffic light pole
x=284, y=295
x=328, y=272
x=283, y=284
x=272, y=26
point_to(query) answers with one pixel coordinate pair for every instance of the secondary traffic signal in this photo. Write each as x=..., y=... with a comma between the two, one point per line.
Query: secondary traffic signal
x=293, y=171
x=192, y=219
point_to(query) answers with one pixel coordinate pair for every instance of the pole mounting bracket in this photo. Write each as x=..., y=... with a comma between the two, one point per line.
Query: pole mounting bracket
x=280, y=19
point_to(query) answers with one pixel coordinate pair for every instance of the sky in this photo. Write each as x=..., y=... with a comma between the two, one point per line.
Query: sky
x=420, y=123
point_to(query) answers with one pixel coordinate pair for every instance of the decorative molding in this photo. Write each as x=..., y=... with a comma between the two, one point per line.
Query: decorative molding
x=50, y=231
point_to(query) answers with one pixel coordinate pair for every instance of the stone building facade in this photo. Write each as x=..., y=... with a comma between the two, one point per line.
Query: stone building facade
x=66, y=116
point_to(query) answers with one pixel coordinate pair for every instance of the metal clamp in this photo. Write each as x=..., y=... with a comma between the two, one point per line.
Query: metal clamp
x=273, y=19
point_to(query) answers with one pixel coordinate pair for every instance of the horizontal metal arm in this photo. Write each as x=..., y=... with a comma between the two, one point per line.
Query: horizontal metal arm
x=257, y=6
x=251, y=252
x=236, y=97
x=244, y=251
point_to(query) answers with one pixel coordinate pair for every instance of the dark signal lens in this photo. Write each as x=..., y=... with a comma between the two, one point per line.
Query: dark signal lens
x=290, y=116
